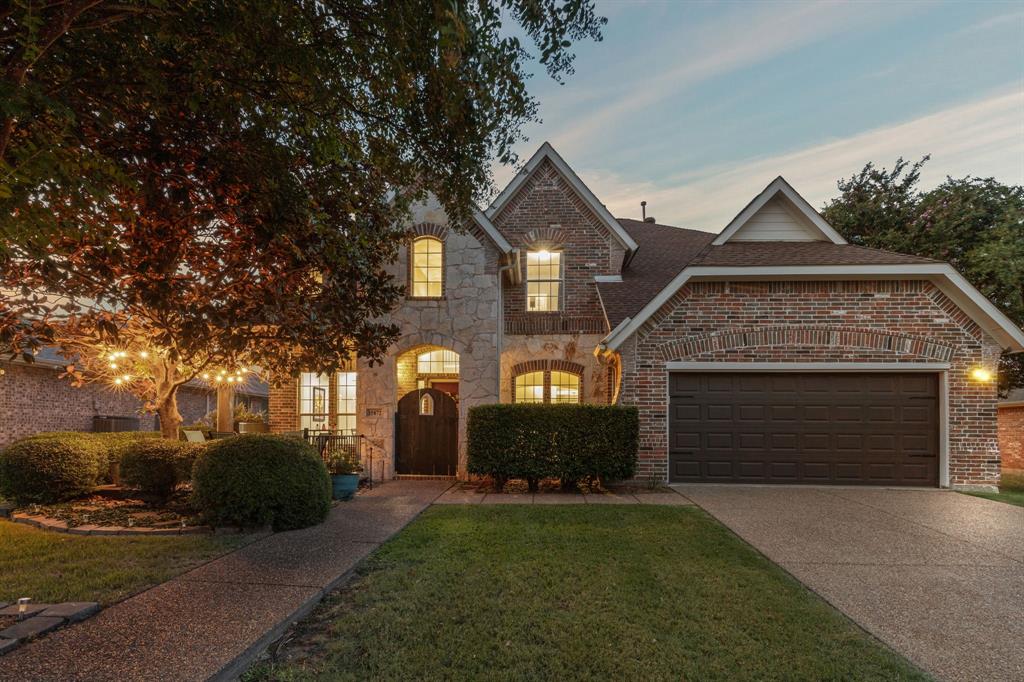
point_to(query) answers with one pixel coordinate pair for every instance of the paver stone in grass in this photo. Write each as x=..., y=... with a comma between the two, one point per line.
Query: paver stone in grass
x=6, y=645
x=33, y=627
x=30, y=609
x=72, y=611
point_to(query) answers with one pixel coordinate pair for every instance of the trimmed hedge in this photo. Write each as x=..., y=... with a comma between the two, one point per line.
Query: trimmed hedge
x=568, y=442
x=109, y=446
x=50, y=468
x=259, y=480
x=158, y=466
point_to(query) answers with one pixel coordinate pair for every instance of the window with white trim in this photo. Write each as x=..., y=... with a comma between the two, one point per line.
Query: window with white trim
x=346, y=420
x=543, y=281
x=565, y=387
x=427, y=267
x=529, y=388
x=314, y=401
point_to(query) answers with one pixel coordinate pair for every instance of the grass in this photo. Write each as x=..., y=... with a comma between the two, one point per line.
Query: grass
x=575, y=592
x=1011, y=489
x=55, y=567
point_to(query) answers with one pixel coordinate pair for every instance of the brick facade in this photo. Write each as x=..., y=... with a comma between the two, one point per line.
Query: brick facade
x=546, y=213
x=34, y=399
x=1011, y=436
x=909, y=321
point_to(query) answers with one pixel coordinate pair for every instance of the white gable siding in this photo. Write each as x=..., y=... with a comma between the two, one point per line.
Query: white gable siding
x=777, y=221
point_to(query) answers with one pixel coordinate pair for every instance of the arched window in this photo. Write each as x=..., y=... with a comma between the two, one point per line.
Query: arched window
x=427, y=405
x=529, y=388
x=427, y=267
x=565, y=387
x=437, y=362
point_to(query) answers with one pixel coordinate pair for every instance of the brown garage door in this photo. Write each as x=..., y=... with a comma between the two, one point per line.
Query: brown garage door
x=850, y=429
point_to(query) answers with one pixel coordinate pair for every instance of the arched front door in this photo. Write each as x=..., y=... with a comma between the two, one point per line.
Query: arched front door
x=426, y=438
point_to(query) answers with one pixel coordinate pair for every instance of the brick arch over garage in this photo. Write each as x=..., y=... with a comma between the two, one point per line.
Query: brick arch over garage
x=821, y=338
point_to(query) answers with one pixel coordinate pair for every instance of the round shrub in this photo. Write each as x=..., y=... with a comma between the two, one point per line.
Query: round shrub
x=158, y=466
x=256, y=480
x=50, y=468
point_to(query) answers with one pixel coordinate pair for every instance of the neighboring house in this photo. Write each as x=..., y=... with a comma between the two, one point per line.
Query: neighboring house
x=771, y=352
x=34, y=398
x=1011, y=430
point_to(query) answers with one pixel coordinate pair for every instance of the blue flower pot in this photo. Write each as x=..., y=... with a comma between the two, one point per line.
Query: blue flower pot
x=344, y=486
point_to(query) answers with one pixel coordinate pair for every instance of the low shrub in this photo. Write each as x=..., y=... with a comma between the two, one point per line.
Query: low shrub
x=109, y=446
x=568, y=442
x=157, y=466
x=50, y=468
x=256, y=480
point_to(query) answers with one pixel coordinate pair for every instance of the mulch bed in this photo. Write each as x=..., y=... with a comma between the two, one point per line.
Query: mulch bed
x=121, y=508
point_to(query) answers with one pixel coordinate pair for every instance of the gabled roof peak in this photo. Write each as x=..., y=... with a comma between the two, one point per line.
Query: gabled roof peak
x=778, y=213
x=547, y=152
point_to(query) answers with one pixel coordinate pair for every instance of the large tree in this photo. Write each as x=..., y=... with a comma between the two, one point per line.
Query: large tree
x=188, y=186
x=976, y=224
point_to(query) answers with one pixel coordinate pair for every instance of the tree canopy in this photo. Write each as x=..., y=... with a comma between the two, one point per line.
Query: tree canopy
x=216, y=183
x=976, y=224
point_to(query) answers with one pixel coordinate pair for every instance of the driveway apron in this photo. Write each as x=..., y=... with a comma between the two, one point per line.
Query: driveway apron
x=937, y=575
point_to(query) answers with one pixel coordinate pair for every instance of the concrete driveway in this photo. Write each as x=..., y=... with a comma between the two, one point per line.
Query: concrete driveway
x=937, y=575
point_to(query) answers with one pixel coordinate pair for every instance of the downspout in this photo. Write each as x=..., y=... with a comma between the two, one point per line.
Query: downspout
x=501, y=314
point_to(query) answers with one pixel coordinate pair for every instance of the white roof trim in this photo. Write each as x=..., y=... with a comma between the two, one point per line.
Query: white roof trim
x=949, y=281
x=779, y=186
x=548, y=152
x=487, y=226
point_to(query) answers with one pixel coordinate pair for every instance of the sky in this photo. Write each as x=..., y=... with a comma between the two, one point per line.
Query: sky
x=696, y=106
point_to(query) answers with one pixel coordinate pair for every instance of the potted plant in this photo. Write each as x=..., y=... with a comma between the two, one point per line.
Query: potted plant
x=344, y=469
x=247, y=421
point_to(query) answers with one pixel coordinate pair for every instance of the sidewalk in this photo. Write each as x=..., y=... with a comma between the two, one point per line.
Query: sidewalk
x=208, y=622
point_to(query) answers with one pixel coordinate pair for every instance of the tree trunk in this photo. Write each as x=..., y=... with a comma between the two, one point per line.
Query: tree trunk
x=167, y=408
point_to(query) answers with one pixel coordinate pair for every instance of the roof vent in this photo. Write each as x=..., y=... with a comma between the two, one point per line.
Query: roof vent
x=649, y=219
x=643, y=213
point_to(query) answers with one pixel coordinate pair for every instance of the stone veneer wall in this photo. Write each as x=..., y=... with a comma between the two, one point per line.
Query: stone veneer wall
x=575, y=348
x=526, y=221
x=818, y=322
x=1011, y=436
x=464, y=320
x=34, y=399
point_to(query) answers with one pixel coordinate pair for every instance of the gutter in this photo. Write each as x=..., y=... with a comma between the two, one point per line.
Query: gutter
x=500, y=340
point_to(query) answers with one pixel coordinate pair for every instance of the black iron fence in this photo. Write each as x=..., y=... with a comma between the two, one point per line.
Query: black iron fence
x=335, y=445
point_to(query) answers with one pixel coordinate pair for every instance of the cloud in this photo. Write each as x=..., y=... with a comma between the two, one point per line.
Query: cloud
x=706, y=50
x=983, y=138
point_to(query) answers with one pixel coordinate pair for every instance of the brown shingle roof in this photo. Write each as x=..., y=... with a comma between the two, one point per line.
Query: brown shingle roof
x=801, y=253
x=665, y=250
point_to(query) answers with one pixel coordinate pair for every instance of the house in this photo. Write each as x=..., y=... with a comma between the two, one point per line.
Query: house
x=1011, y=430
x=30, y=392
x=772, y=352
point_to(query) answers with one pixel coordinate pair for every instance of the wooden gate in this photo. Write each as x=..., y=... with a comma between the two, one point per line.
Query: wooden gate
x=426, y=434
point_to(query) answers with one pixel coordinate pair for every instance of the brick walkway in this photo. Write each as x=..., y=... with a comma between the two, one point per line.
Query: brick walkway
x=210, y=621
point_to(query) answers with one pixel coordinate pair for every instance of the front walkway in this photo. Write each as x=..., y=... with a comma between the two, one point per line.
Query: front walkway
x=937, y=575
x=208, y=622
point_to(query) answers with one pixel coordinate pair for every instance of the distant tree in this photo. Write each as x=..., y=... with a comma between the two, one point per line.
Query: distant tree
x=190, y=186
x=976, y=224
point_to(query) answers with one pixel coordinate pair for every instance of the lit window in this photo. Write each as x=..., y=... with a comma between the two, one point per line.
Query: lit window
x=427, y=405
x=529, y=388
x=543, y=280
x=427, y=267
x=347, y=402
x=565, y=387
x=314, y=401
x=437, y=362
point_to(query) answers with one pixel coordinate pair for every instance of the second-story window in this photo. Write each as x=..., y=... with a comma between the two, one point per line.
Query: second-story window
x=543, y=281
x=427, y=267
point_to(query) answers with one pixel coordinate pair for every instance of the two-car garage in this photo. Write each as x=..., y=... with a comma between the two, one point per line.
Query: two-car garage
x=839, y=428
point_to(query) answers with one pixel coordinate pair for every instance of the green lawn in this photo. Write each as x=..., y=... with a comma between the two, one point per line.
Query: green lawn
x=576, y=592
x=1011, y=489
x=55, y=567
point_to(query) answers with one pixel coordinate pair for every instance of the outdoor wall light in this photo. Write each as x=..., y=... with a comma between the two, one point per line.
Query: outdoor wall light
x=981, y=374
x=23, y=606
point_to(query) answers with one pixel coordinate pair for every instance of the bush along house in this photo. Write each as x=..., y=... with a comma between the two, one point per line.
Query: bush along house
x=771, y=352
